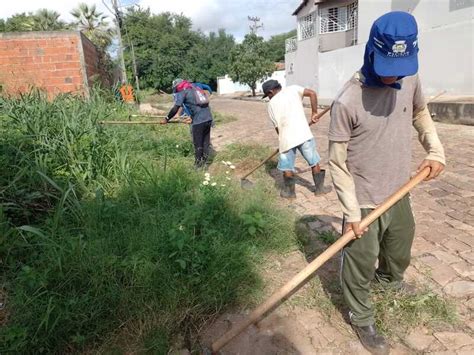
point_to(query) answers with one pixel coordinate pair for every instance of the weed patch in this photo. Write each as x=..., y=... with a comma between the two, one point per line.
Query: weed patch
x=399, y=312
x=221, y=118
x=109, y=232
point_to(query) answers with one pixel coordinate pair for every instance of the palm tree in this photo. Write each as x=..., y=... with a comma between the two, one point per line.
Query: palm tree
x=48, y=20
x=20, y=22
x=93, y=24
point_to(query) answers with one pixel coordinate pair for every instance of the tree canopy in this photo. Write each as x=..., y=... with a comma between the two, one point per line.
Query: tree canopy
x=276, y=45
x=41, y=20
x=165, y=45
x=251, y=62
x=93, y=24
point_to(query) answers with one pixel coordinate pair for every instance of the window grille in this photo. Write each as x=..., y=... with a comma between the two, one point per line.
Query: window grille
x=353, y=21
x=291, y=45
x=337, y=19
x=306, y=26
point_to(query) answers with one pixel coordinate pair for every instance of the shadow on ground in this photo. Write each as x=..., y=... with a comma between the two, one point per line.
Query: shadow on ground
x=252, y=341
x=316, y=233
x=277, y=176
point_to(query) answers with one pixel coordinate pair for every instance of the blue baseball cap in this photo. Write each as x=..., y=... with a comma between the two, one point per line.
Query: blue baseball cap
x=394, y=39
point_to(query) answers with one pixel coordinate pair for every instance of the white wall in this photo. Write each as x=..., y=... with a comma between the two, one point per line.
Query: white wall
x=446, y=46
x=429, y=13
x=336, y=67
x=225, y=85
x=302, y=66
x=446, y=60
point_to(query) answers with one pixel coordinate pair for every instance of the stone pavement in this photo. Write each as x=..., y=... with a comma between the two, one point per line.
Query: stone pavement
x=442, y=252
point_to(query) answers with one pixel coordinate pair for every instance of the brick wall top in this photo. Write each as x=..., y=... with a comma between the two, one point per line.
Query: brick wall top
x=58, y=61
x=48, y=60
x=39, y=34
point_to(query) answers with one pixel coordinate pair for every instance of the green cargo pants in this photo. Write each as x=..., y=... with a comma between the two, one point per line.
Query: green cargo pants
x=389, y=239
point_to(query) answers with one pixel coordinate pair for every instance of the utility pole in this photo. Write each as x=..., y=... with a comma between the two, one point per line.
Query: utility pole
x=135, y=71
x=254, y=24
x=118, y=21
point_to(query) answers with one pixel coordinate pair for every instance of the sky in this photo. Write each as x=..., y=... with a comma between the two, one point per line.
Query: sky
x=207, y=15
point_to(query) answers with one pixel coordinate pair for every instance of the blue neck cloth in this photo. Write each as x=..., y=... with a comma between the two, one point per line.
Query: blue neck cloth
x=371, y=79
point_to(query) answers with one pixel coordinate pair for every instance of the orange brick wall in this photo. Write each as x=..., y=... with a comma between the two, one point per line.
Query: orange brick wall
x=91, y=59
x=58, y=62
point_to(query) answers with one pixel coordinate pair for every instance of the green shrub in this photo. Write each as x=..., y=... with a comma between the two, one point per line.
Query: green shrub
x=169, y=246
x=125, y=237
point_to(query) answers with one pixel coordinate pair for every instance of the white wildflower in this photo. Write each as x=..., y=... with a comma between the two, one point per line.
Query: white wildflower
x=228, y=171
x=205, y=182
x=181, y=228
x=232, y=166
x=214, y=184
x=229, y=163
x=223, y=185
x=177, y=145
x=228, y=178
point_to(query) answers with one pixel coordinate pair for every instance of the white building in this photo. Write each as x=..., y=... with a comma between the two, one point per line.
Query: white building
x=331, y=38
x=225, y=85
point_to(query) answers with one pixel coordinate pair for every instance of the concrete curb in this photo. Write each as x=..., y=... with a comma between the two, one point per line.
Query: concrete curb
x=453, y=112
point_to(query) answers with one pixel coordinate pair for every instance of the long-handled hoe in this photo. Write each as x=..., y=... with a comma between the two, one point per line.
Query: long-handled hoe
x=304, y=275
x=144, y=122
x=247, y=184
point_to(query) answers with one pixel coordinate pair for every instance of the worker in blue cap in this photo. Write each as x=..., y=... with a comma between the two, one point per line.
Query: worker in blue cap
x=370, y=137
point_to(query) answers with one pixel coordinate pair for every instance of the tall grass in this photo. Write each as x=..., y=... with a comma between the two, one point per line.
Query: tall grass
x=49, y=145
x=109, y=233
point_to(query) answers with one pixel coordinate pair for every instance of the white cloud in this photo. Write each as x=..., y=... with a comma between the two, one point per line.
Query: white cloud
x=64, y=7
x=210, y=15
x=207, y=15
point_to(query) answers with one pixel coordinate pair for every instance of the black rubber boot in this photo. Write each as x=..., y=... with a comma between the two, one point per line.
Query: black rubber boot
x=288, y=190
x=372, y=341
x=319, y=183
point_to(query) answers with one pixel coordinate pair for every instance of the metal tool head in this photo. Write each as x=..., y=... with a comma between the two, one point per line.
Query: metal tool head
x=246, y=184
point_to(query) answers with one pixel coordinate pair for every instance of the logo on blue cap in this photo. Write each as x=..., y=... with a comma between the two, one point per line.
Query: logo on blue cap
x=394, y=48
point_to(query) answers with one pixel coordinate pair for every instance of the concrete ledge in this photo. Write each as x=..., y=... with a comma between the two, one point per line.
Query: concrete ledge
x=258, y=98
x=453, y=112
x=38, y=34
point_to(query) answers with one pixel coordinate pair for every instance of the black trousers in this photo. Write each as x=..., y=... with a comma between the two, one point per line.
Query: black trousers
x=201, y=140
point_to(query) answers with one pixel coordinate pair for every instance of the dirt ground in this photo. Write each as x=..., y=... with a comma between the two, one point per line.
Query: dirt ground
x=442, y=258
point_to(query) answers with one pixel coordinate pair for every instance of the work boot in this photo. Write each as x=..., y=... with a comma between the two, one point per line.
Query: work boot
x=288, y=190
x=372, y=341
x=319, y=183
x=200, y=164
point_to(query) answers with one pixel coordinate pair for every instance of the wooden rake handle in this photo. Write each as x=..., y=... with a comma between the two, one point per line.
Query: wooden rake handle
x=321, y=114
x=304, y=275
x=135, y=122
x=128, y=122
x=275, y=152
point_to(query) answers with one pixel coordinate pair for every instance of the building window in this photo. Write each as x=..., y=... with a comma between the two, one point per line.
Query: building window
x=291, y=45
x=307, y=26
x=337, y=19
